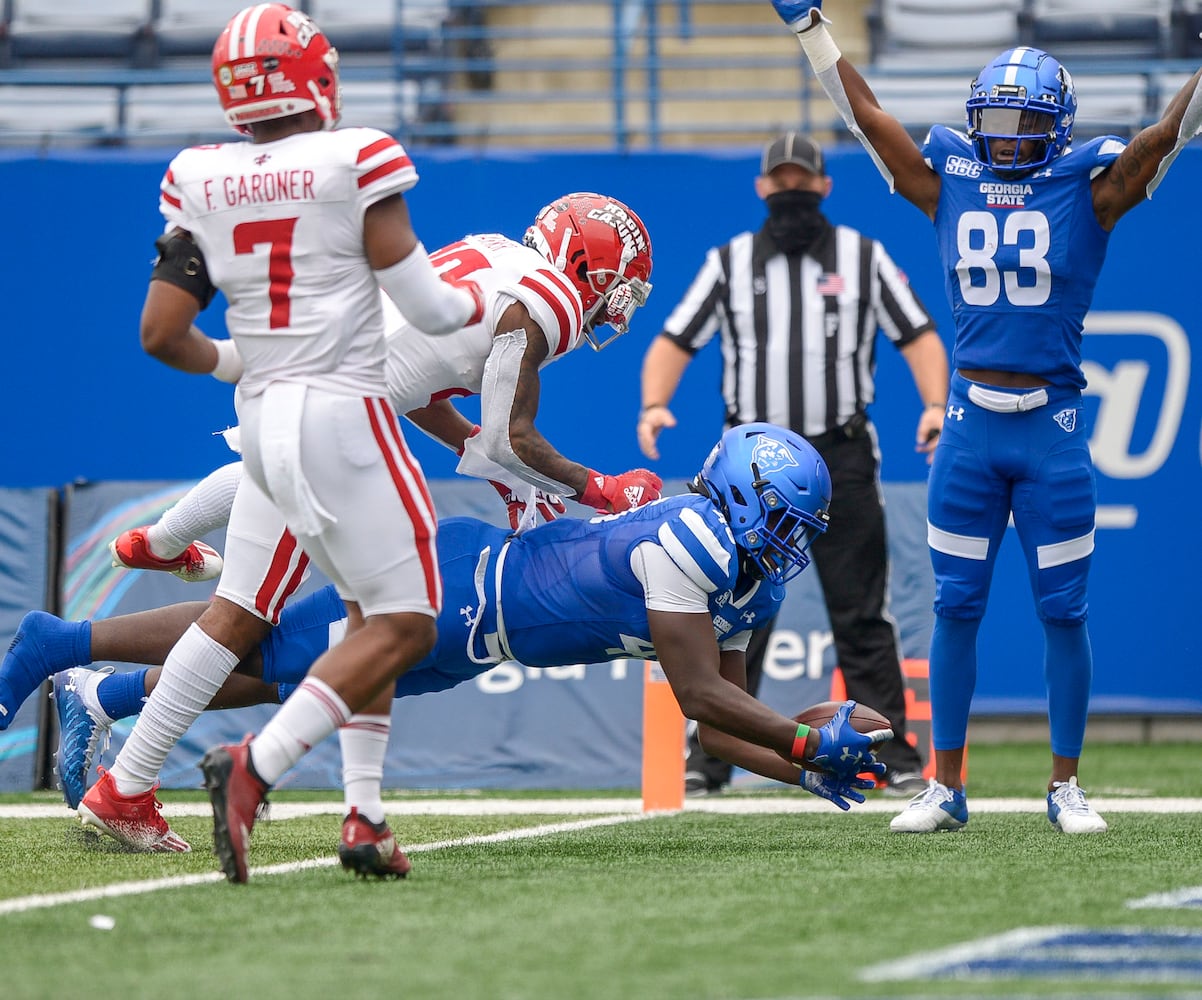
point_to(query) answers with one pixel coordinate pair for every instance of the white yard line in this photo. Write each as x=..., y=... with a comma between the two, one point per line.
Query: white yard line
x=736, y=804
x=41, y=902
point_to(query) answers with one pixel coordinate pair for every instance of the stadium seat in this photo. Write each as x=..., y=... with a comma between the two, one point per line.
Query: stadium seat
x=379, y=25
x=933, y=34
x=176, y=114
x=80, y=29
x=919, y=102
x=190, y=27
x=1185, y=27
x=1081, y=30
x=29, y=113
x=1110, y=104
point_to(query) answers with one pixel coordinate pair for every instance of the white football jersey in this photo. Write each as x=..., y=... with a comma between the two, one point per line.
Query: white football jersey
x=422, y=368
x=281, y=228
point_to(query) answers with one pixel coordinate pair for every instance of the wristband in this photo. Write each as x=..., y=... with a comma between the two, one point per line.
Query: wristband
x=819, y=47
x=799, y=742
x=229, y=362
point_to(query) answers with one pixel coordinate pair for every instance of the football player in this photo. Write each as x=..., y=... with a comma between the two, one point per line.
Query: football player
x=684, y=579
x=1022, y=221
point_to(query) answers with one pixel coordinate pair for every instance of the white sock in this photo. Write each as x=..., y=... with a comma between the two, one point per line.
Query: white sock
x=195, y=670
x=312, y=712
x=364, y=741
x=202, y=509
x=91, y=698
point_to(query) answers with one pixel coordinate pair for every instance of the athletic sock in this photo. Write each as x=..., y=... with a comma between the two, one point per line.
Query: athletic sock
x=44, y=645
x=311, y=714
x=204, y=508
x=117, y=696
x=194, y=672
x=364, y=742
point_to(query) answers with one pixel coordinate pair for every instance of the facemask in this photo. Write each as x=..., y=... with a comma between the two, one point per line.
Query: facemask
x=794, y=221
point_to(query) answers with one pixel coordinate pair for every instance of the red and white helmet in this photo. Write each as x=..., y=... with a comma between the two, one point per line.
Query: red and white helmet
x=272, y=62
x=604, y=248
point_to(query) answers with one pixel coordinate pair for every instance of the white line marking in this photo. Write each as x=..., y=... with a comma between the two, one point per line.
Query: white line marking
x=926, y=964
x=25, y=903
x=1168, y=900
x=735, y=804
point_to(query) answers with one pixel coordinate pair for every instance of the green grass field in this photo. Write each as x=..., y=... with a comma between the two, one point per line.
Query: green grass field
x=699, y=904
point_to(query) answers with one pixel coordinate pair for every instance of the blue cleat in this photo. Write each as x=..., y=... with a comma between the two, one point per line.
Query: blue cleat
x=79, y=733
x=41, y=646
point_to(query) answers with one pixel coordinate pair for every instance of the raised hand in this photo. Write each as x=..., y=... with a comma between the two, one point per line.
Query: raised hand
x=796, y=13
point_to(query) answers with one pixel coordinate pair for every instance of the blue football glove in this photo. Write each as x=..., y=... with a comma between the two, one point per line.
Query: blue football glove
x=833, y=789
x=844, y=752
x=796, y=13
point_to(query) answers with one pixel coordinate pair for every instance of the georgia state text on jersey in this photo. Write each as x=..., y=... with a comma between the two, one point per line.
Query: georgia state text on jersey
x=281, y=228
x=1021, y=255
x=506, y=271
x=569, y=594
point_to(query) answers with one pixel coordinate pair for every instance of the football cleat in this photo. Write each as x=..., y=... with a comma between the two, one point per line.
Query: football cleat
x=1068, y=811
x=369, y=848
x=237, y=796
x=197, y=563
x=132, y=820
x=79, y=732
x=936, y=808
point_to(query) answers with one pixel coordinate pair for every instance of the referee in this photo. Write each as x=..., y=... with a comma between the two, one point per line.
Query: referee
x=797, y=306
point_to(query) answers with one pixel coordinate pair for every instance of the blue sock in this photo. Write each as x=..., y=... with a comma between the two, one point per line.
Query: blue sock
x=43, y=645
x=1068, y=670
x=124, y=694
x=953, y=678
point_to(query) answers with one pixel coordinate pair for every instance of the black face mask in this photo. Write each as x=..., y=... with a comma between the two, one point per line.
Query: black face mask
x=794, y=221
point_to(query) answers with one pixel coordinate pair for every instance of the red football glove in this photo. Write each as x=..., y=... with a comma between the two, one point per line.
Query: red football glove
x=614, y=494
x=548, y=505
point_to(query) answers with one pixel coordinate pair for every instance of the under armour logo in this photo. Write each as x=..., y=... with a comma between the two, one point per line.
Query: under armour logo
x=748, y=616
x=1067, y=419
x=955, y=413
x=469, y=614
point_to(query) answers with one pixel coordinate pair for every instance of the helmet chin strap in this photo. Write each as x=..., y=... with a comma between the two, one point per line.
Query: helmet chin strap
x=561, y=259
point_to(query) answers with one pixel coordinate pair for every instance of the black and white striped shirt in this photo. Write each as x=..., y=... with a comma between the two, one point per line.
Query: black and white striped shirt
x=798, y=331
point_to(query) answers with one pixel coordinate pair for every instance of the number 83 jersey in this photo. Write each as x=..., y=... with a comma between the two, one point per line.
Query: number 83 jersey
x=1020, y=256
x=281, y=228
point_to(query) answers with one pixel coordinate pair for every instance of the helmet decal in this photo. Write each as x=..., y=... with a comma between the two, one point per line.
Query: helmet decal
x=769, y=455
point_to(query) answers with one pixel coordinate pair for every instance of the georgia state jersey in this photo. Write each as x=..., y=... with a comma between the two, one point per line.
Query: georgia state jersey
x=281, y=228
x=569, y=594
x=1021, y=256
x=421, y=367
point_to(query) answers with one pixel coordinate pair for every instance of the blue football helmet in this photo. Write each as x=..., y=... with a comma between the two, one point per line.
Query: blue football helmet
x=773, y=488
x=1024, y=94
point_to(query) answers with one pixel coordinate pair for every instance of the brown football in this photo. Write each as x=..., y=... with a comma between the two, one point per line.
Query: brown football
x=863, y=718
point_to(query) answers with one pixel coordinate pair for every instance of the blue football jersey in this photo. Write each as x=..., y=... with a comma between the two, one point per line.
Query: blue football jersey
x=569, y=595
x=1020, y=257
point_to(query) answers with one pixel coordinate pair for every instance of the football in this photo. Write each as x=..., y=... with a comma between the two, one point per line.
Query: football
x=863, y=718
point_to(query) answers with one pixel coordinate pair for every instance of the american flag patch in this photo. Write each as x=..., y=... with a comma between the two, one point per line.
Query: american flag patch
x=830, y=284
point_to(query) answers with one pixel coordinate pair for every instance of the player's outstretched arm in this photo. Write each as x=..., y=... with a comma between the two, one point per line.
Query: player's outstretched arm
x=1140, y=167
x=891, y=147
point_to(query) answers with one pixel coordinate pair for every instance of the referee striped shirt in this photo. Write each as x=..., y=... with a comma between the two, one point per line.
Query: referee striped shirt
x=798, y=331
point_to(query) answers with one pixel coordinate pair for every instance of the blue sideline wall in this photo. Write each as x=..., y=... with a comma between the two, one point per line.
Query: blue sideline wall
x=81, y=401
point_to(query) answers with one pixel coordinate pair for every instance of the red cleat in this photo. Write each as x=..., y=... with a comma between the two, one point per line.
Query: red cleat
x=197, y=563
x=133, y=820
x=369, y=848
x=237, y=796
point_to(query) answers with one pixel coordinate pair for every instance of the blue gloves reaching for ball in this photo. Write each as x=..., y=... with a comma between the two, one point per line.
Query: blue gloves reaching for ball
x=836, y=790
x=843, y=752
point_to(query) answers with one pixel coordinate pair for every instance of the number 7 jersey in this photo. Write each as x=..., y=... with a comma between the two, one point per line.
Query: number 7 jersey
x=1020, y=256
x=281, y=228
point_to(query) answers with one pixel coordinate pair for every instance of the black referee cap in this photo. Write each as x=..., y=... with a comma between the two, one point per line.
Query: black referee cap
x=796, y=148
